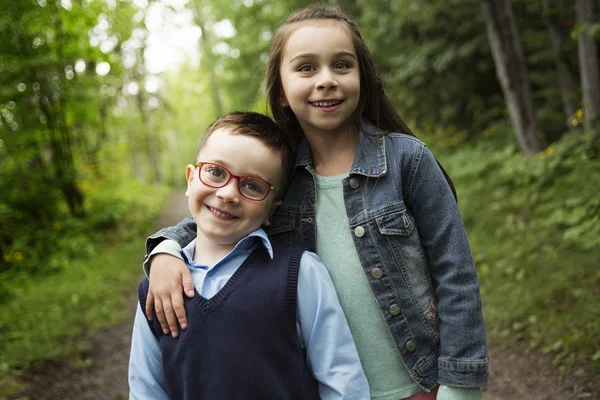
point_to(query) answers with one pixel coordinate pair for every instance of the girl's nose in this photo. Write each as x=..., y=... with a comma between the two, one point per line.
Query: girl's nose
x=230, y=192
x=326, y=79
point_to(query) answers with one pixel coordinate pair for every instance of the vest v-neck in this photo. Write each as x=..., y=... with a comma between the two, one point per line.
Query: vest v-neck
x=208, y=305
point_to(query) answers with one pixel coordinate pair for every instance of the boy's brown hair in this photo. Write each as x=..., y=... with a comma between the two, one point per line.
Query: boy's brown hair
x=263, y=128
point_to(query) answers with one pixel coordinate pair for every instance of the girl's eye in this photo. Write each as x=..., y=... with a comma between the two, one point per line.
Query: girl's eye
x=342, y=65
x=305, y=68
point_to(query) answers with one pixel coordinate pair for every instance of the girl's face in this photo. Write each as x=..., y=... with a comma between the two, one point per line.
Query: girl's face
x=320, y=76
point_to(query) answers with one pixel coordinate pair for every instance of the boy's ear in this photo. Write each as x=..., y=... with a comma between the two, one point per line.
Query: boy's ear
x=189, y=177
x=267, y=221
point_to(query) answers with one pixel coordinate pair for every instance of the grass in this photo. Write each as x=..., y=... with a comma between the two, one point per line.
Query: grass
x=47, y=313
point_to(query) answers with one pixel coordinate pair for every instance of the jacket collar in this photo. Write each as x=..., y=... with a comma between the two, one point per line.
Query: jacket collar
x=369, y=159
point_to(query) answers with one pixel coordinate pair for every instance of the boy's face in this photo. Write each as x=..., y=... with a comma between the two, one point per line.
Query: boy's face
x=223, y=215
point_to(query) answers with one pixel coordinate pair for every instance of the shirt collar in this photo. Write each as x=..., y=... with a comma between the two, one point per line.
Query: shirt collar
x=369, y=159
x=245, y=244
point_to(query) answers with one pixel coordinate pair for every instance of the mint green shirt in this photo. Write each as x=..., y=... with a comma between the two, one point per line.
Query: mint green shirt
x=388, y=377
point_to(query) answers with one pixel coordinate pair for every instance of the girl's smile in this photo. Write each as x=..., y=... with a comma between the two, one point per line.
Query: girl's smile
x=327, y=105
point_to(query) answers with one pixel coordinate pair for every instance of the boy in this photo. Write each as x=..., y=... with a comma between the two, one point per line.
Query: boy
x=265, y=321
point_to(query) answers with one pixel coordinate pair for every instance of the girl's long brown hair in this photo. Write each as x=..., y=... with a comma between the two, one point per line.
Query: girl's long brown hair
x=373, y=103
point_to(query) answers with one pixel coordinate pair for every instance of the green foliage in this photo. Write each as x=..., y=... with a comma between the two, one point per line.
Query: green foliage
x=534, y=227
x=44, y=313
x=36, y=248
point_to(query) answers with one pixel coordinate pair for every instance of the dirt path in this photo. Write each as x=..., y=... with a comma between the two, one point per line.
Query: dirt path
x=101, y=373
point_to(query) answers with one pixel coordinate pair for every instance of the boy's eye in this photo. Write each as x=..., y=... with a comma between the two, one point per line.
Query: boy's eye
x=254, y=186
x=215, y=171
x=305, y=68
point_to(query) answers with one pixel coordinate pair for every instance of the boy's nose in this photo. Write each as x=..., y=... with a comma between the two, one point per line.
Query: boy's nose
x=230, y=192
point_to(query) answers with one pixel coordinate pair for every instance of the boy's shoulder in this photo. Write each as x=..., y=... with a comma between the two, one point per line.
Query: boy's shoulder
x=281, y=248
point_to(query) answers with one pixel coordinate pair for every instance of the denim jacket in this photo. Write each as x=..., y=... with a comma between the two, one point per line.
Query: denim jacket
x=413, y=248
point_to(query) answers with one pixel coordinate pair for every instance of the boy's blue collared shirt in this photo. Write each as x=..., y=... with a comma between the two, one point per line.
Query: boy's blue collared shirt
x=322, y=328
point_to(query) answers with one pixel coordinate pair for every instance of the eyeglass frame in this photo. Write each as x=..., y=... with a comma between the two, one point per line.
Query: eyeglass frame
x=237, y=177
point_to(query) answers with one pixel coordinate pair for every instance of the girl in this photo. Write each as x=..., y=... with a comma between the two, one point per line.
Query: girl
x=371, y=200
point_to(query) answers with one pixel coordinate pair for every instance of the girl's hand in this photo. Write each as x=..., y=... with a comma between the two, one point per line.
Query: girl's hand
x=168, y=275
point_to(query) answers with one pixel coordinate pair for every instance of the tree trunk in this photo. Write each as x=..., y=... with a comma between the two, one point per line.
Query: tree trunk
x=62, y=163
x=208, y=63
x=149, y=134
x=512, y=72
x=588, y=64
x=565, y=79
x=149, y=127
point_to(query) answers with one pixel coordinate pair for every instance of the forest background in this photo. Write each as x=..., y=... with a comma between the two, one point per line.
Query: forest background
x=102, y=103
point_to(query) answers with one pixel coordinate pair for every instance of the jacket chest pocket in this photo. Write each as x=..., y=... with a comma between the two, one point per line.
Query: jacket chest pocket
x=395, y=223
x=401, y=242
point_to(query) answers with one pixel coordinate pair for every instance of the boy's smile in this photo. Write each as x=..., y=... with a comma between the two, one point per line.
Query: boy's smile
x=222, y=214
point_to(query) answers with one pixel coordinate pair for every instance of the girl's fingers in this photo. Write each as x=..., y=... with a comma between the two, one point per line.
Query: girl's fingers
x=188, y=284
x=177, y=301
x=160, y=313
x=149, y=303
x=171, y=318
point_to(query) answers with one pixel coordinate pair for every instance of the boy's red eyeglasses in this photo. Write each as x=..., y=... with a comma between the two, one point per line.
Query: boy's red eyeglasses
x=216, y=176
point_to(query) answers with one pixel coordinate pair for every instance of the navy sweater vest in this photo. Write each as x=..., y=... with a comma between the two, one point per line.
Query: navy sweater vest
x=242, y=343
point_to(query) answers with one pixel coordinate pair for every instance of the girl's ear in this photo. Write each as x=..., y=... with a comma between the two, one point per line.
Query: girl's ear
x=283, y=101
x=267, y=221
x=189, y=177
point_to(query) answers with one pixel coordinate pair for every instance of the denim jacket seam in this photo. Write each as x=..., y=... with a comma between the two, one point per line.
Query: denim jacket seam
x=414, y=167
x=462, y=365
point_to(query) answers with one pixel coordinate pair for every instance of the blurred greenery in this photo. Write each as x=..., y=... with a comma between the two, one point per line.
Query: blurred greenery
x=534, y=228
x=102, y=103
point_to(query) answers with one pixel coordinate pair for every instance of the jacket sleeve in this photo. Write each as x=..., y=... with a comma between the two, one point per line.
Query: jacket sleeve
x=182, y=233
x=463, y=359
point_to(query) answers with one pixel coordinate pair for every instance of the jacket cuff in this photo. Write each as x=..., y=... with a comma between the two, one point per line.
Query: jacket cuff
x=167, y=246
x=465, y=374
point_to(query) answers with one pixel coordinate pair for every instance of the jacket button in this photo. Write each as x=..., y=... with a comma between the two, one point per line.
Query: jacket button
x=394, y=309
x=376, y=273
x=354, y=183
x=411, y=345
x=359, y=231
